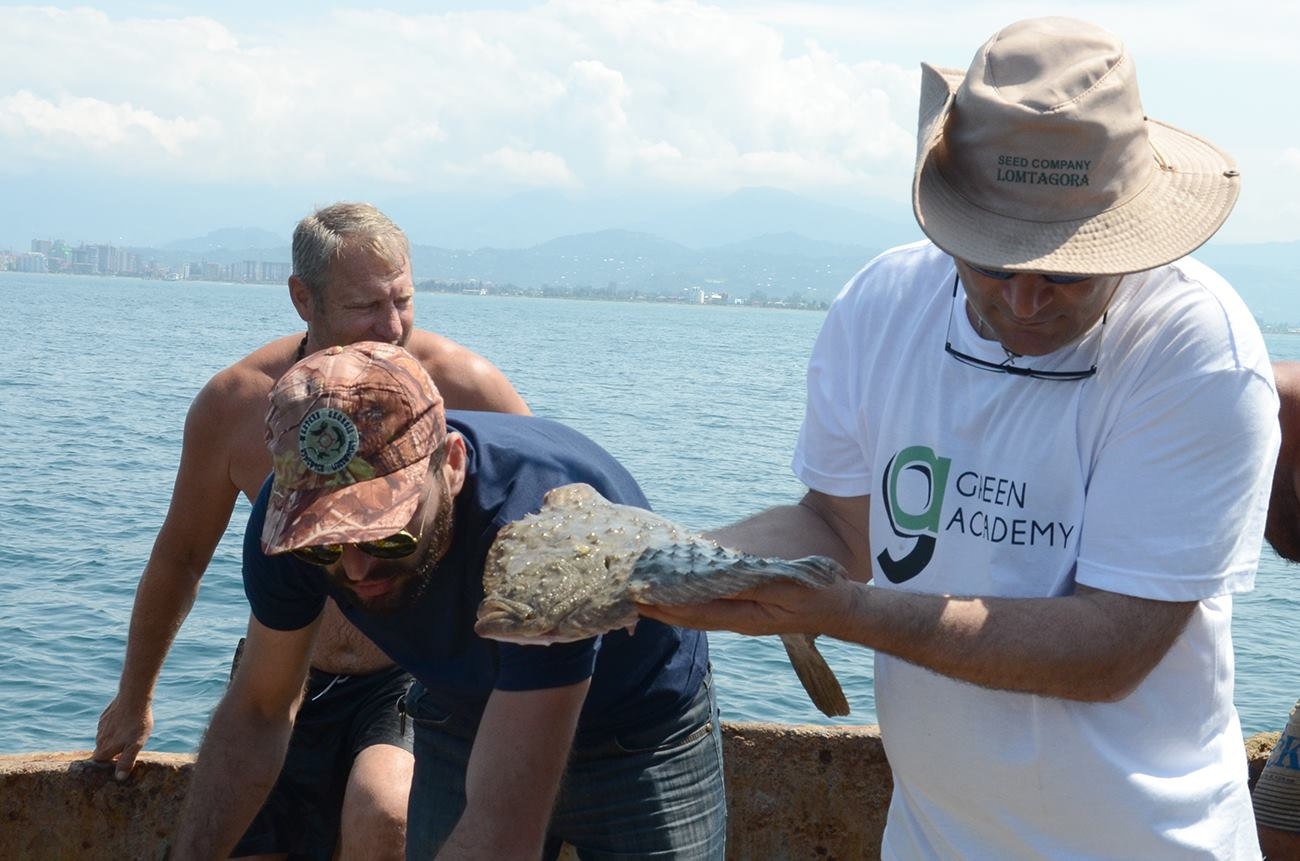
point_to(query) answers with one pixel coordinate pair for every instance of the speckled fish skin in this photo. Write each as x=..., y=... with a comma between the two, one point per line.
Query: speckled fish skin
x=579, y=566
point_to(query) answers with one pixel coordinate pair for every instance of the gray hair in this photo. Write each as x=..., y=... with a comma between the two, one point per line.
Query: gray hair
x=328, y=233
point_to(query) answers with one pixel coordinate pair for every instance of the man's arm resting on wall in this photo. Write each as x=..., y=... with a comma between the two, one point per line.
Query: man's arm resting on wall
x=202, y=500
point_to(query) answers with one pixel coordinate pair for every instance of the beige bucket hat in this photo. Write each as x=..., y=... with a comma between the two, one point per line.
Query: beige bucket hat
x=1040, y=158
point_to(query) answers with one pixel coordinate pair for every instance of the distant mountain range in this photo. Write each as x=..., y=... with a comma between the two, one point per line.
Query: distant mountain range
x=777, y=265
x=756, y=240
x=240, y=239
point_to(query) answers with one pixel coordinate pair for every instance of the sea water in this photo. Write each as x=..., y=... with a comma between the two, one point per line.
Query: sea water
x=702, y=403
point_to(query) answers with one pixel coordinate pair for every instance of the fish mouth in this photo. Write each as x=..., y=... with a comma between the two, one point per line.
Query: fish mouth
x=497, y=616
x=514, y=622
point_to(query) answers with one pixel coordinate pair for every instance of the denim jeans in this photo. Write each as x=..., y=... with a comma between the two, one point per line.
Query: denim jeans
x=654, y=793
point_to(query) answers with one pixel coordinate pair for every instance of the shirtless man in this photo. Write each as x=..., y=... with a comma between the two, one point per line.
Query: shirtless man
x=351, y=282
x=1277, y=791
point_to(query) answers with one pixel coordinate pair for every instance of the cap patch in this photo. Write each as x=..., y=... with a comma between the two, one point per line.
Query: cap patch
x=327, y=441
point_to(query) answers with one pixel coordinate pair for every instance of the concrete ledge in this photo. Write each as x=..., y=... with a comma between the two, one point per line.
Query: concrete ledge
x=797, y=792
x=794, y=792
x=59, y=806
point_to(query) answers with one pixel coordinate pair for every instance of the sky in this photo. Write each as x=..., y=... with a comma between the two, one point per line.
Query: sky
x=146, y=121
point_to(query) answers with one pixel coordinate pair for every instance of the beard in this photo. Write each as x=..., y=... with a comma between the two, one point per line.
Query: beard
x=409, y=578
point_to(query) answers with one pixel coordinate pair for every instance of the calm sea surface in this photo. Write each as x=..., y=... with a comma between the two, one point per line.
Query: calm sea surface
x=701, y=403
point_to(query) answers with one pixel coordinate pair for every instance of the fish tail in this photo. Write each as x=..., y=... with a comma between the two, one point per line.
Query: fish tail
x=815, y=674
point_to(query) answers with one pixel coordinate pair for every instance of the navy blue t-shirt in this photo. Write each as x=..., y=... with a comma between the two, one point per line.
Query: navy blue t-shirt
x=512, y=461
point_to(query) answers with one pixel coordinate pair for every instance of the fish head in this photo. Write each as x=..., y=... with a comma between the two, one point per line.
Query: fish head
x=511, y=621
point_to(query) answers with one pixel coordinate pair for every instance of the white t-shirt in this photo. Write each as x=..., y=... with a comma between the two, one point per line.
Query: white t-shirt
x=1150, y=478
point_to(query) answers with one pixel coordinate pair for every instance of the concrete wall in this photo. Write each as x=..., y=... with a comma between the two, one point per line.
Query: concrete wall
x=794, y=792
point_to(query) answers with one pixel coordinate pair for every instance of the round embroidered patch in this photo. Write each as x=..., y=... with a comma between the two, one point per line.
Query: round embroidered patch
x=327, y=441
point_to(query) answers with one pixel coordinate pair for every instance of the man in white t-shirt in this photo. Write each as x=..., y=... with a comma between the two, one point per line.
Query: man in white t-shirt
x=1045, y=439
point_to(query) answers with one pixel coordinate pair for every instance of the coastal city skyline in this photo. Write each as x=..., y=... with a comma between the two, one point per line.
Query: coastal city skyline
x=772, y=270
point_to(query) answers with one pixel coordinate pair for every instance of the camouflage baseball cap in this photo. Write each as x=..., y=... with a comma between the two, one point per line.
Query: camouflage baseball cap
x=350, y=430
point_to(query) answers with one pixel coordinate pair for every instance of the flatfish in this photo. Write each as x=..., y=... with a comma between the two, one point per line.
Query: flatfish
x=579, y=566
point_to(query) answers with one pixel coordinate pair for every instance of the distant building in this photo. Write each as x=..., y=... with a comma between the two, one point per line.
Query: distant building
x=33, y=261
x=277, y=272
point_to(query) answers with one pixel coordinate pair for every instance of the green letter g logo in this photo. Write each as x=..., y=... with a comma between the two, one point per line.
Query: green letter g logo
x=914, y=513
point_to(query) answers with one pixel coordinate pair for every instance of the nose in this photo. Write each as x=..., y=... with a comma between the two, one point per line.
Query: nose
x=389, y=326
x=1026, y=295
x=356, y=565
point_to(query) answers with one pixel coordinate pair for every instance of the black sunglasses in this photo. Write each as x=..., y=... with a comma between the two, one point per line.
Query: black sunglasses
x=1004, y=275
x=395, y=546
x=1005, y=366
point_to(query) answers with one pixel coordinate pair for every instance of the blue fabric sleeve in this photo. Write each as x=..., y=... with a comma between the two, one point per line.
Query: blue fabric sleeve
x=527, y=668
x=283, y=592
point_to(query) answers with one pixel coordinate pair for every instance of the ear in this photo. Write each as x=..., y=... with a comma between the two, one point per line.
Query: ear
x=302, y=299
x=455, y=464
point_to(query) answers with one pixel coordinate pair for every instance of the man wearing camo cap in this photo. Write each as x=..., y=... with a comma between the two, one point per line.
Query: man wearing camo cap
x=383, y=502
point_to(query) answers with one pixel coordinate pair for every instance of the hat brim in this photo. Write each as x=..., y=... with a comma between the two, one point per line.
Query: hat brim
x=1178, y=210
x=364, y=511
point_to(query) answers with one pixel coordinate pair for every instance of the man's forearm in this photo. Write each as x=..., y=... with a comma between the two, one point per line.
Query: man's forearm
x=161, y=605
x=784, y=531
x=514, y=774
x=1091, y=646
x=816, y=526
x=237, y=765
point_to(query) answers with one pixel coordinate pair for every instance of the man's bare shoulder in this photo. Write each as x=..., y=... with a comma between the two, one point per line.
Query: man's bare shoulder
x=438, y=351
x=247, y=383
x=226, y=426
x=467, y=380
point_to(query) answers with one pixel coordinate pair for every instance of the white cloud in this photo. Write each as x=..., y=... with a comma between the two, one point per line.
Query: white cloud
x=573, y=94
x=529, y=168
x=116, y=133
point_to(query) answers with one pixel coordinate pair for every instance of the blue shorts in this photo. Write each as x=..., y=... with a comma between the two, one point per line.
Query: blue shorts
x=340, y=716
x=653, y=793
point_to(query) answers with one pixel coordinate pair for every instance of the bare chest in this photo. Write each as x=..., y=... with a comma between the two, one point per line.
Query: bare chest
x=341, y=648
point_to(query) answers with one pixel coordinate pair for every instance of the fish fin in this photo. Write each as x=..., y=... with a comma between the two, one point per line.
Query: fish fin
x=815, y=674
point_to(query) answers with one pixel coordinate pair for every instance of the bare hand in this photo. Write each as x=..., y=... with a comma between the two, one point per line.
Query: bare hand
x=122, y=733
x=779, y=607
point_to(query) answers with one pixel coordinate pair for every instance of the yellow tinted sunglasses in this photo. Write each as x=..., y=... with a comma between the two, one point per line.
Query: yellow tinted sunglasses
x=395, y=546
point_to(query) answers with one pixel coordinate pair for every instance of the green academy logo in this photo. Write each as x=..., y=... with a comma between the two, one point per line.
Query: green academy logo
x=923, y=524
x=988, y=508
